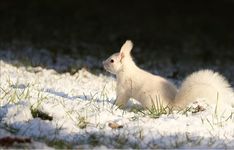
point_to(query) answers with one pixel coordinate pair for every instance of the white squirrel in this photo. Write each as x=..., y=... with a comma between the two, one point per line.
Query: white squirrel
x=149, y=89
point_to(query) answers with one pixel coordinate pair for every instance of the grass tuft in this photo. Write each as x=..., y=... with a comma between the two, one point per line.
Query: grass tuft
x=59, y=144
x=39, y=114
x=158, y=109
x=82, y=122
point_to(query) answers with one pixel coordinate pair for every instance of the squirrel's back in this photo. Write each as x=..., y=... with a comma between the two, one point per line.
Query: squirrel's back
x=207, y=85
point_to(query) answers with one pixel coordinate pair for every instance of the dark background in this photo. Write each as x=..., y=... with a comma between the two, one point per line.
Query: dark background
x=177, y=32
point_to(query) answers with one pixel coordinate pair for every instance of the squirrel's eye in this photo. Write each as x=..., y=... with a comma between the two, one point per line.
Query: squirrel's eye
x=111, y=60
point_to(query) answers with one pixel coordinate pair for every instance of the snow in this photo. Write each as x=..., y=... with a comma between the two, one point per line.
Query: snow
x=82, y=106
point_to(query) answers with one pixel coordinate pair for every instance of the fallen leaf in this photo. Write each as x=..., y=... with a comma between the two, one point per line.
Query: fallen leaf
x=115, y=125
x=8, y=140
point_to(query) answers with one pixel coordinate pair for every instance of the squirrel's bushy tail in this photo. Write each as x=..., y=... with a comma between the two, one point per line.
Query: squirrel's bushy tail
x=207, y=85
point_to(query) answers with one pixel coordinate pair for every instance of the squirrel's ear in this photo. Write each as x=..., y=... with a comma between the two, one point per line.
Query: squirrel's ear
x=121, y=56
x=127, y=47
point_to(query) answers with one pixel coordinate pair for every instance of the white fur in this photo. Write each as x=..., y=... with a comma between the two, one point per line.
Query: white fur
x=207, y=85
x=149, y=89
x=133, y=82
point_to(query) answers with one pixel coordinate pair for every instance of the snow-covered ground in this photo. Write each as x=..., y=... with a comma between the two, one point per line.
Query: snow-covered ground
x=77, y=111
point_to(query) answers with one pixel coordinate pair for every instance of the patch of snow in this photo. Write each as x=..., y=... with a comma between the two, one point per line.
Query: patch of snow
x=82, y=106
